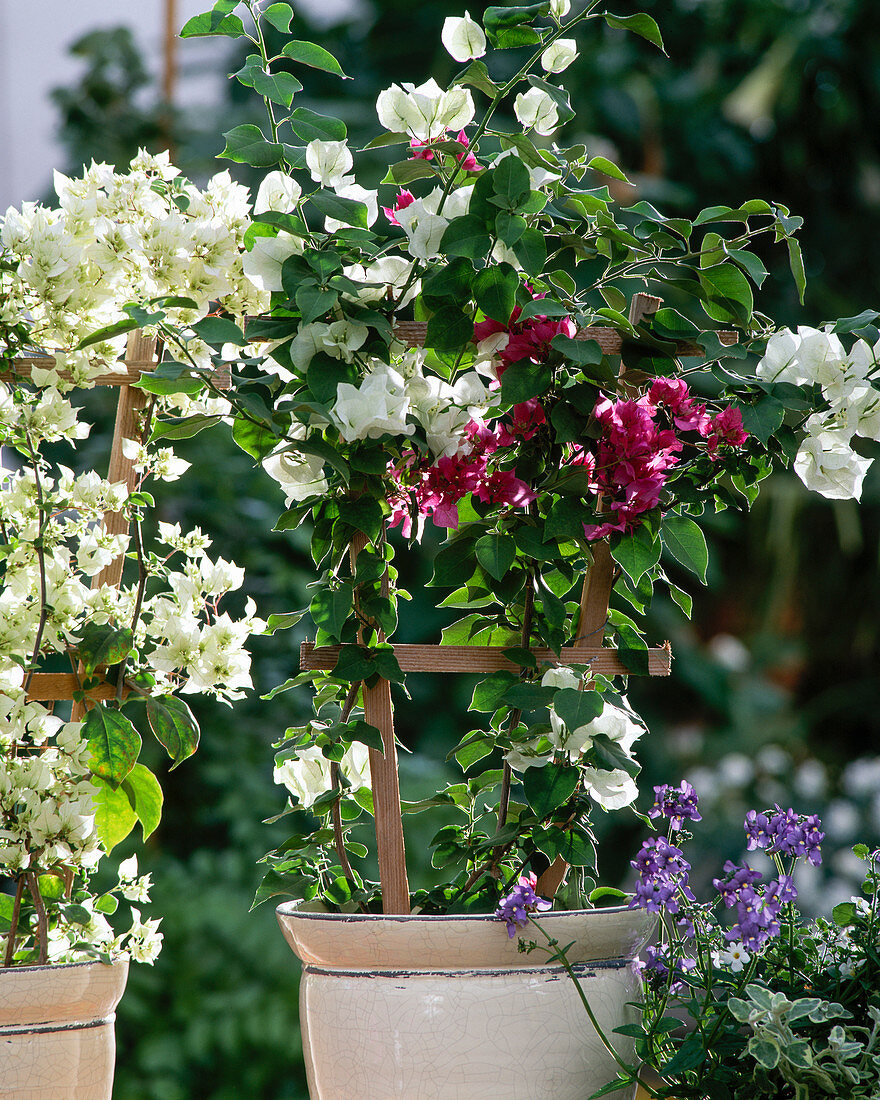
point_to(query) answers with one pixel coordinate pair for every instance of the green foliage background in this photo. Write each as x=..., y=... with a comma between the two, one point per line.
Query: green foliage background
x=759, y=98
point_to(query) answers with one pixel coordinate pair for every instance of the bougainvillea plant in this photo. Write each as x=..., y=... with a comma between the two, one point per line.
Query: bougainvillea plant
x=71, y=782
x=507, y=421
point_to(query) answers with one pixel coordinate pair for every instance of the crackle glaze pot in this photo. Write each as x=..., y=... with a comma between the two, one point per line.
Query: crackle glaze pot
x=447, y=1008
x=56, y=1030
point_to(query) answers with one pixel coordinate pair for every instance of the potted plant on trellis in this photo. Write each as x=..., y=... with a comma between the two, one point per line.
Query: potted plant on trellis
x=489, y=344
x=89, y=651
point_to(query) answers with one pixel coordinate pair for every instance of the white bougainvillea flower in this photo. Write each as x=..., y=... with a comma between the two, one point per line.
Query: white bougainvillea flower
x=277, y=192
x=536, y=111
x=560, y=8
x=780, y=362
x=425, y=112
x=377, y=407
x=463, y=38
x=613, y=722
x=300, y=476
x=328, y=161
x=611, y=790
x=561, y=677
x=559, y=55
x=307, y=775
x=262, y=265
x=827, y=464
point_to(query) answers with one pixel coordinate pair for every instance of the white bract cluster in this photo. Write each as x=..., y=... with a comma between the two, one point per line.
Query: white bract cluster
x=306, y=775
x=116, y=238
x=826, y=461
x=611, y=788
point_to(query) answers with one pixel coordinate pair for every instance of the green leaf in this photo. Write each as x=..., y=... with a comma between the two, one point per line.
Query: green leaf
x=314, y=302
x=279, y=15
x=728, y=294
x=114, y=815
x=309, y=125
x=113, y=743
x=496, y=554
x=466, y=236
x=217, y=331
x=101, y=646
x=531, y=251
x=690, y=1054
x=368, y=735
x=796, y=263
x=108, y=332
x=529, y=696
x=844, y=914
x=687, y=544
x=247, y=144
x=764, y=418
x=283, y=621
x=607, y=168
x=636, y=553
x=477, y=76
x=495, y=289
x=609, y=756
x=611, y=894
x=453, y=281
x=351, y=211
x=449, y=330
x=316, y=57
x=145, y=796
x=277, y=87
x=174, y=726
x=183, y=429
x=572, y=845
x=511, y=179
x=559, y=96
x=640, y=24
x=548, y=788
x=578, y=708
x=489, y=693
x=454, y=564
x=354, y=663
x=215, y=22
x=330, y=609
x=254, y=439
x=525, y=379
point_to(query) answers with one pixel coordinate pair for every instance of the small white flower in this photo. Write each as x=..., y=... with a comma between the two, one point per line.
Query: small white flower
x=377, y=407
x=425, y=112
x=735, y=958
x=561, y=677
x=559, y=55
x=463, y=38
x=560, y=8
x=536, y=111
x=300, y=476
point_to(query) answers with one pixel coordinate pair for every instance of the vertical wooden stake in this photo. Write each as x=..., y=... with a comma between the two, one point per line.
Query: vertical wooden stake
x=596, y=596
x=139, y=349
x=385, y=783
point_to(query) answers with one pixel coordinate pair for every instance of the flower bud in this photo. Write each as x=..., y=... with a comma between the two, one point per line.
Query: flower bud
x=536, y=110
x=559, y=55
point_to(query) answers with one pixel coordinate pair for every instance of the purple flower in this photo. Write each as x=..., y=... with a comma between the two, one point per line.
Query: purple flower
x=521, y=901
x=757, y=911
x=678, y=804
x=785, y=833
x=655, y=969
x=663, y=877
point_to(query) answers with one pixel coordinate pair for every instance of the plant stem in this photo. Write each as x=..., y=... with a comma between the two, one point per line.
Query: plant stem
x=41, y=561
x=13, y=923
x=559, y=953
x=42, y=921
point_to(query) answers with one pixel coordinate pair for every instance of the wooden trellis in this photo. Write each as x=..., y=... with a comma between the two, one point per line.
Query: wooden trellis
x=593, y=615
x=140, y=358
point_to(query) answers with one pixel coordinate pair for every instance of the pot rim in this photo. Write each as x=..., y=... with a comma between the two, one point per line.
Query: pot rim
x=294, y=909
x=32, y=968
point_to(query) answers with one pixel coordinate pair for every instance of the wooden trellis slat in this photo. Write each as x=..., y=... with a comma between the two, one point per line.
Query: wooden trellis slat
x=481, y=660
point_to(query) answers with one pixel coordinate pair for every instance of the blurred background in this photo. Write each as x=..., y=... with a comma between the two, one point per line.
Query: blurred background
x=775, y=692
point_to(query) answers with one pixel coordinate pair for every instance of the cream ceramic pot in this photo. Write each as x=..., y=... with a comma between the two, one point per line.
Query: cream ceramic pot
x=448, y=1008
x=56, y=1030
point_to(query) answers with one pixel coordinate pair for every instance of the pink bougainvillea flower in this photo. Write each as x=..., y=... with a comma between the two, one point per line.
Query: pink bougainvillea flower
x=504, y=487
x=421, y=151
x=525, y=420
x=689, y=415
x=403, y=200
x=467, y=161
x=726, y=427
